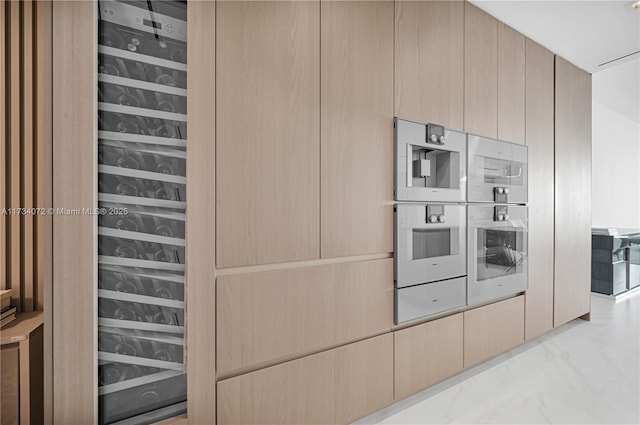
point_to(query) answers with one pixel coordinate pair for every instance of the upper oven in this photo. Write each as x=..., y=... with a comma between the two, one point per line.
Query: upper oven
x=497, y=171
x=430, y=163
x=497, y=252
x=430, y=242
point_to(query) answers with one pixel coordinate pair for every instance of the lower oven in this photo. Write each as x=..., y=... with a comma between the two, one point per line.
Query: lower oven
x=497, y=252
x=430, y=259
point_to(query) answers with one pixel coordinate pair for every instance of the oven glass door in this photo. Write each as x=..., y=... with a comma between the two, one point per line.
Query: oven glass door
x=498, y=253
x=497, y=171
x=428, y=251
x=427, y=171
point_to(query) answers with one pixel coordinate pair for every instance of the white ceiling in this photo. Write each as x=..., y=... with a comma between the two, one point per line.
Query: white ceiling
x=586, y=33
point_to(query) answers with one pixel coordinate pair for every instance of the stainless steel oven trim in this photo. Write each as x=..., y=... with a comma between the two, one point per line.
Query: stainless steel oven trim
x=478, y=191
x=479, y=292
x=411, y=272
x=415, y=133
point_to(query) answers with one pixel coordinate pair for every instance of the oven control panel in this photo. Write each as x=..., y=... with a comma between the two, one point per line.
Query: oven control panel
x=435, y=213
x=501, y=213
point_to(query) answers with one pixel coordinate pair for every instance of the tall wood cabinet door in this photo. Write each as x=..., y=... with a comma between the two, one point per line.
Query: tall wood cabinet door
x=539, y=138
x=493, y=329
x=333, y=387
x=511, y=84
x=480, y=72
x=573, y=192
x=427, y=354
x=356, y=128
x=429, y=62
x=73, y=308
x=267, y=132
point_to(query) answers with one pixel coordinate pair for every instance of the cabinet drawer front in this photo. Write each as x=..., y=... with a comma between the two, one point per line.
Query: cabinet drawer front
x=427, y=354
x=263, y=317
x=431, y=298
x=493, y=329
x=332, y=387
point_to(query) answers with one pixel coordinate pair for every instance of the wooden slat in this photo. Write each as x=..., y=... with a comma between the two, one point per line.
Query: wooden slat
x=74, y=299
x=3, y=147
x=200, y=279
x=43, y=148
x=14, y=247
x=27, y=169
x=43, y=224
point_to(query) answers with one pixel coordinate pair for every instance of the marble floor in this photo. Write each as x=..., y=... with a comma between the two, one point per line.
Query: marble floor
x=581, y=373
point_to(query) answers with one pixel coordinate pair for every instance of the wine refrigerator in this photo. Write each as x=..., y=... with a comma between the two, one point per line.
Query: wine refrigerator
x=142, y=141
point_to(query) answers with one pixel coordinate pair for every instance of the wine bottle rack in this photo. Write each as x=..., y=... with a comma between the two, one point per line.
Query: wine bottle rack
x=142, y=138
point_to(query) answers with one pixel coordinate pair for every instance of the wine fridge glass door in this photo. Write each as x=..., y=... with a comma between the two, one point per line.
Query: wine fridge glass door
x=142, y=138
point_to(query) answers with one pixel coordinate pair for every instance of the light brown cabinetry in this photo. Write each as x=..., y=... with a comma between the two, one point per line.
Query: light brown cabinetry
x=429, y=62
x=427, y=354
x=74, y=343
x=267, y=132
x=480, y=72
x=511, y=84
x=356, y=128
x=10, y=385
x=200, y=224
x=539, y=139
x=493, y=329
x=268, y=316
x=333, y=387
x=21, y=367
x=573, y=192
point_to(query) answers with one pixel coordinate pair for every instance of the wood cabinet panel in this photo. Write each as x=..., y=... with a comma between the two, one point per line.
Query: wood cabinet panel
x=493, y=329
x=573, y=192
x=480, y=72
x=200, y=223
x=271, y=315
x=429, y=62
x=511, y=84
x=267, y=132
x=539, y=139
x=10, y=385
x=333, y=387
x=356, y=128
x=427, y=354
x=75, y=237
x=21, y=364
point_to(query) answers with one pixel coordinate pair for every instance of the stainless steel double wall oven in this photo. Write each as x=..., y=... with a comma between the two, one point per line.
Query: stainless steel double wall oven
x=460, y=220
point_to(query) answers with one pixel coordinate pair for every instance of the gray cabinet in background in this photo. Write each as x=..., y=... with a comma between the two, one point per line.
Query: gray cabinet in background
x=615, y=260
